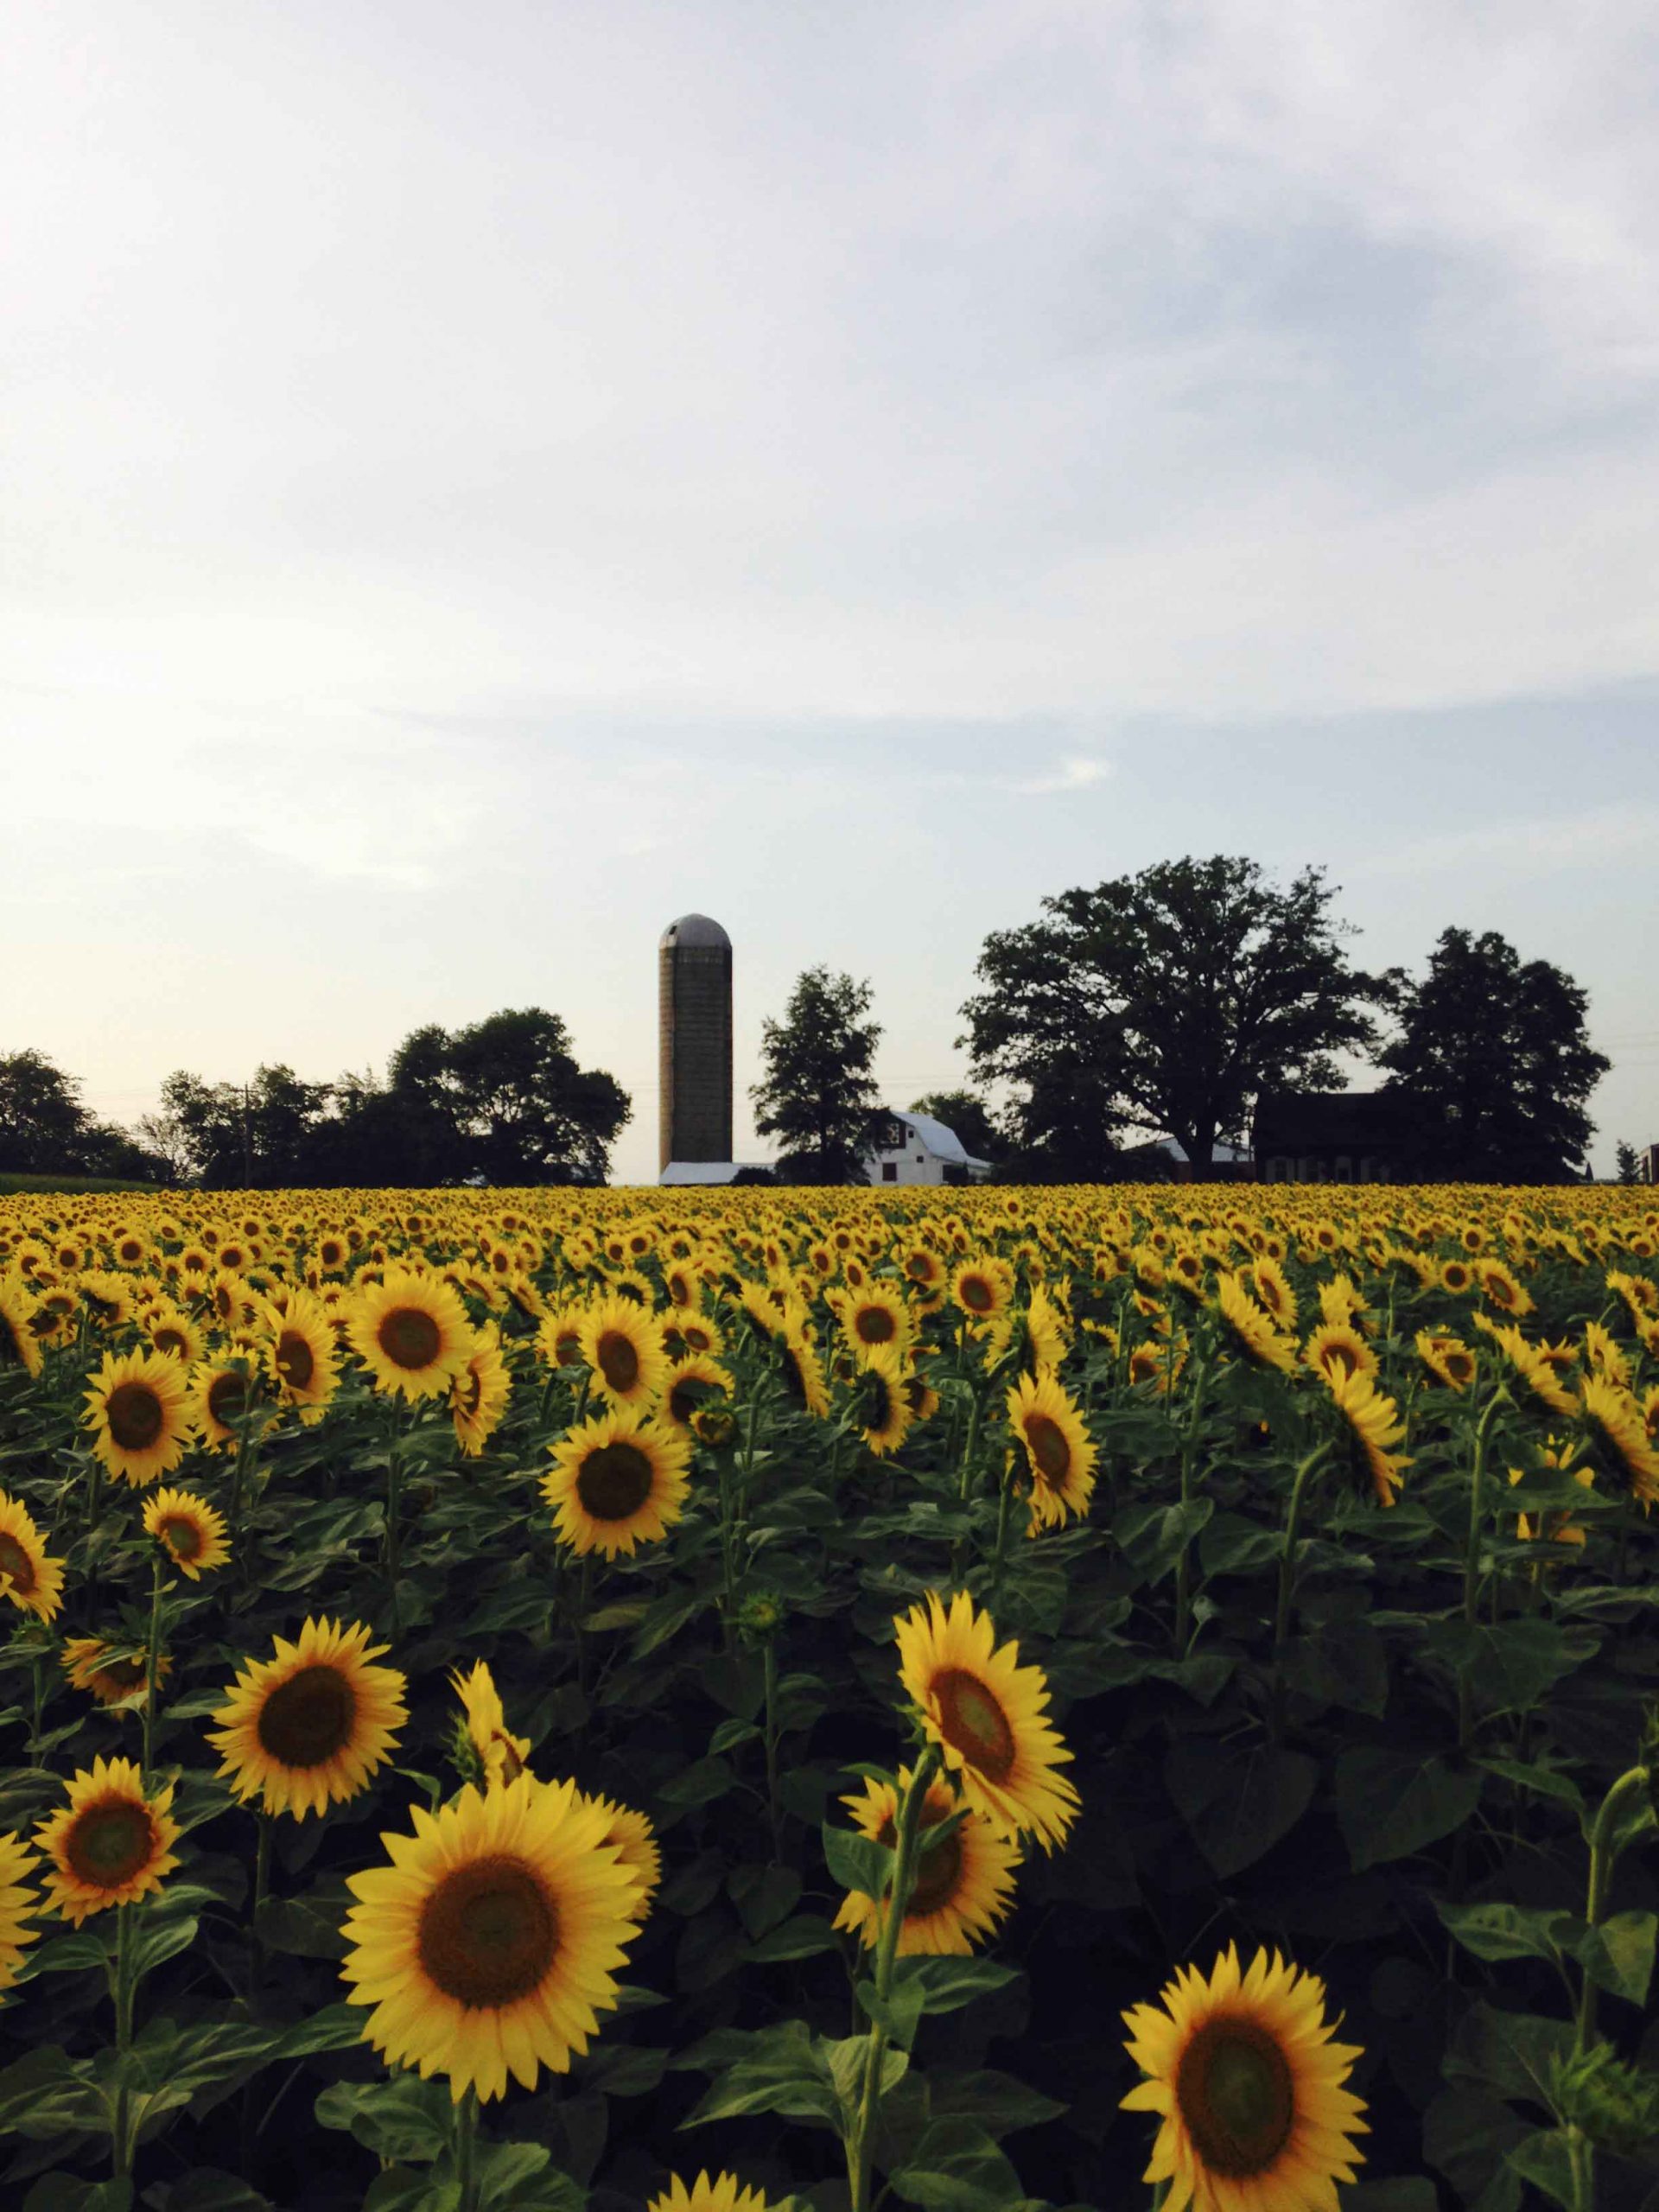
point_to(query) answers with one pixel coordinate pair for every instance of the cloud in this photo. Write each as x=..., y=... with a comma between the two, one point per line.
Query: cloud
x=1077, y=773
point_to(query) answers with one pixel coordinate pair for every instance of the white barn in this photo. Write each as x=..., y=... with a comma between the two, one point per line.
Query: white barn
x=915, y=1149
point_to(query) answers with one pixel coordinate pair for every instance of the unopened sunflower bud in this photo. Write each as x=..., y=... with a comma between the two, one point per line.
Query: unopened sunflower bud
x=714, y=1426
x=760, y=1615
x=1615, y=2106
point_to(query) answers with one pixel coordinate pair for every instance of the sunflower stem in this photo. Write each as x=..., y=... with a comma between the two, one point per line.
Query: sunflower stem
x=769, y=1663
x=121, y=2132
x=1472, y=1553
x=467, y=2150
x=906, y=1839
x=153, y=1669
x=1003, y=1505
x=1605, y=1844
x=1184, y=1559
x=1287, y=1578
x=261, y=1891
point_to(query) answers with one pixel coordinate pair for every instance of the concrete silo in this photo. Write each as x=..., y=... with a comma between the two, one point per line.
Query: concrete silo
x=693, y=988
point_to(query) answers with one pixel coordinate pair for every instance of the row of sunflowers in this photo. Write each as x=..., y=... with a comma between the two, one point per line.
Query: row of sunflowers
x=501, y=1680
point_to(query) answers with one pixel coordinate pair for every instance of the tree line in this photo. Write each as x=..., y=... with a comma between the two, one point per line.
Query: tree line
x=1167, y=1002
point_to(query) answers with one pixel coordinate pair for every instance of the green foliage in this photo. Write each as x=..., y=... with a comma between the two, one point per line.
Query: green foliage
x=817, y=1092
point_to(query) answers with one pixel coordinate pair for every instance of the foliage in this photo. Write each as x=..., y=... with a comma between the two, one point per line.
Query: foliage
x=1627, y=1163
x=45, y=1130
x=816, y=1093
x=966, y=1113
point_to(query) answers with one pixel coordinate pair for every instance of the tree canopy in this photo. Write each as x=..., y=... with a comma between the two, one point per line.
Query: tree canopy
x=1494, y=1059
x=1165, y=1001
x=966, y=1113
x=816, y=1093
x=46, y=1129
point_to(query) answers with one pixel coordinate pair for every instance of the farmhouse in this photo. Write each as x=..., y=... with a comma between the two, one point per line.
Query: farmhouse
x=915, y=1149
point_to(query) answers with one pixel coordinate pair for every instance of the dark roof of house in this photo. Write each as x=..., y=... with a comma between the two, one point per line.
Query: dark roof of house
x=1291, y=1122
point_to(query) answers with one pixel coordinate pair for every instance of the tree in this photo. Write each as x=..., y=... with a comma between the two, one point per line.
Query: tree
x=1627, y=1163
x=505, y=1099
x=1164, y=1000
x=966, y=1113
x=229, y=1136
x=46, y=1130
x=1494, y=1061
x=816, y=1093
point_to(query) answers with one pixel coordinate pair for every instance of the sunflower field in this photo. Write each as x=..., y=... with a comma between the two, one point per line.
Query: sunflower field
x=991, y=1700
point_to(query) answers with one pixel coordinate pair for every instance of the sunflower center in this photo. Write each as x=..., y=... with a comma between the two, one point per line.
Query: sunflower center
x=1049, y=1447
x=182, y=1537
x=939, y=1872
x=488, y=1933
x=1459, y=1366
x=686, y=1396
x=470, y=1394
x=227, y=1398
x=1342, y=1358
x=976, y=1294
x=1237, y=2097
x=170, y=1339
x=308, y=1718
x=617, y=1360
x=135, y=1415
x=972, y=1723
x=16, y=1562
x=110, y=1843
x=296, y=1360
x=123, y=1676
x=876, y=1325
x=409, y=1337
x=614, y=1481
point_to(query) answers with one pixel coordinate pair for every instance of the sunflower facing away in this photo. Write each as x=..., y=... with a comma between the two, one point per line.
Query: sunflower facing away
x=488, y=1946
x=881, y=1404
x=986, y=1714
x=1059, y=1454
x=411, y=1332
x=725, y=2193
x=138, y=1410
x=1253, y=1332
x=191, y=1531
x=306, y=1729
x=20, y=1342
x=18, y=1904
x=500, y=1754
x=1617, y=1421
x=1249, y=2083
x=963, y=1886
x=110, y=1844
x=617, y=1482
x=29, y=1578
x=113, y=1677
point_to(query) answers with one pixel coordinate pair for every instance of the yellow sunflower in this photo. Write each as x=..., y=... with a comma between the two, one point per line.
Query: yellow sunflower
x=172, y=1332
x=1616, y=1419
x=622, y=1344
x=1253, y=1332
x=110, y=1844
x=1535, y=1365
x=558, y=1340
x=32, y=1580
x=1554, y=1528
x=1273, y=1291
x=881, y=1403
x=479, y=1395
x=301, y=1358
x=1047, y=1339
x=632, y=1836
x=983, y=1287
x=114, y=1677
x=488, y=1946
x=20, y=1341
x=139, y=1412
x=1060, y=1453
x=986, y=1714
x=18, y=1905
x=306, y=1729
x=617, y=1482
x=1605, y=1356
x=1448, y=1357
x=223, y=1392
x=723, y=2193
x=876, y=1315
x=500, y=1754
x=1337, y=1348
x=189, y=1529
x=964, y=1886
x=694, y=1382
x=411, y=1331
x=1374, y=1423
x=1249, y=2083
x=803, y=1370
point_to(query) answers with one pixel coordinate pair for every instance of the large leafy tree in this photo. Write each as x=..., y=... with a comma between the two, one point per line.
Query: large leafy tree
x=1164, y=1000
x=1494, y=1057
x=256, y=1135
x=817, y=1092
x=504, y=1098
x=45, y=1128
x=966, y=1113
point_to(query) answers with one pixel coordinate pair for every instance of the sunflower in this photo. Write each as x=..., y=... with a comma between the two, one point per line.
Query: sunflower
x=1534, y=1363
x=300, y=1356
x=1447, y=1356
x=222, y=1393
x=487, y=1945
x=110, y=1844
x=877, y=1315
x=881, y=1403
x=479, y=1395
x=18, y=1904
x=698, y=1333
x=1336, y=1348
x=1374, y=1423
x=1249, y=2083
x=107, y=1298
x=1605, y=1358
x=1273, y=1291
x=1159, y=1364
x=964, y=1884
x=306, y=1729
x=986, y=1714
x=616, y=1482
x=1502, y=1289
x=803, y=1370
x=32, y=1581
x=1617, y=1421
x=1554, y=1528
x=694, y=1382
x=20, y=1341
x=1060, y=1455
x=500, y=1755
x=1047, y=1339
x=114, y=1677
x=983, y=1287
x=137, y=1411
x=558, y=1340
x=635, y=1840
x=1252, y=1330
x=622, y=1344
x=411, y=1331
x=172, y=1332
x=189, y=1529
x=724, y=2193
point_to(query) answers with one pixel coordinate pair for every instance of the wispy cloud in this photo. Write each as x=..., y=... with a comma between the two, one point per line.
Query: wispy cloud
x=1077, y=773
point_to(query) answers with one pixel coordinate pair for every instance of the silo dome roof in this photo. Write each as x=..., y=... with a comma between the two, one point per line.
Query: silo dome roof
x=695, y=929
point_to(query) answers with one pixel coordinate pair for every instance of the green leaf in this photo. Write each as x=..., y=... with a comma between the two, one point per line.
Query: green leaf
x=1501, y=1930
x=398, y=2118
x=1153, y=1537
x=1508, y=2054
x=949, y=1984
x=1237, y=1800
x=764, y=1896
x=1233, y=1545
x=206, y=2188
x=1617, y=1954
x=1409, y=2195
x=1543, y=1781
x=1510, y=1667
x=1546, y=2160
x=627, y=1613
x=900, y=2013
x=1390, y=1803
x=1469, y=2135
x=1341, y=1662
x=158, y=1939
x=848, y=2061
x=68, y=2193
x=999, y=2104
x=731, y=1732
x=956, y=2167
x=308, y=1927
x=781, y=2069
x=700, y=1783
x=45, y=2094
x=857, y=1862
x=803, y=1937
x=74, y=1953
x=667, y=1617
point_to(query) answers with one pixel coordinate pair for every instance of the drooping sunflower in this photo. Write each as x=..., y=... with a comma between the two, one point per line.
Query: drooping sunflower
x=306, y=1729
x=20, y=1341
x=720, y=2193
x=191, y=1531
x=632, y=1836
x=411, y=1331
x=1251, y=1328
x=500, y=1754
x=801, y=1368
x=1337, y=1348
x=479, y=1395
x=1242, y=2070
x=301, y=1358
x=1534, y=1365
x=114, y=1677
x=1554, y=1528
x=18, y=1904
x=1616, y=1419
x=137, y=1408
x=32, y=1581
x=488, y=1946
x=1060, y=1453
x=616, y=1482
x=622, y=1343
x=964, y=1884
x=881, y=1403
x=110, y=1844
x=1448, y=1357
x=1605, y=1357
x=1374, y=1424
x=987, y=1714
x=694, y=1382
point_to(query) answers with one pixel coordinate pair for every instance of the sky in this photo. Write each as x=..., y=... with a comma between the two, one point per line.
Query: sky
x=475, y=484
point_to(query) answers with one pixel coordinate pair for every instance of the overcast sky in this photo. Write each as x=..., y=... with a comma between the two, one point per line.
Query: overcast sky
x=477, y=482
